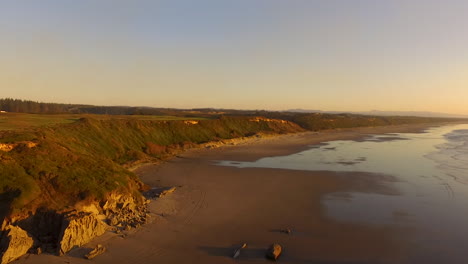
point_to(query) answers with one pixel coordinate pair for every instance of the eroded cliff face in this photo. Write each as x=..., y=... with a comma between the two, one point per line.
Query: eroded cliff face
x=7, y=147
x=14, y=243
x=125, y=212
x=59, y=232
x=79, y=228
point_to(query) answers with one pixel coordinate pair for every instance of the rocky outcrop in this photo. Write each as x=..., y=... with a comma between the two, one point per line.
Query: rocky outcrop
x=14, y=243
x=59, y=232
x=264, y=119
x=191, y=122
x=7, y=147
x=125, y=212
x=79, y=229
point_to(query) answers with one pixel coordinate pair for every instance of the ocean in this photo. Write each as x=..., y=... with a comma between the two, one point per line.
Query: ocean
x=429, y=173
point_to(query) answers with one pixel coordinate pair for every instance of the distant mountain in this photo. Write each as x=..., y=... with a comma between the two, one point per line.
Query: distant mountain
x=412, y=113
x=299, y=110
x=384, y=113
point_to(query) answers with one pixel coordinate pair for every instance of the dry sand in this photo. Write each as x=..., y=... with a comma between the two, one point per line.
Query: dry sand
x=217, y=208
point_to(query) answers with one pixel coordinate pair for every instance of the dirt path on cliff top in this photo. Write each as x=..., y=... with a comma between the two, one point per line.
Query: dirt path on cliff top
x=218, y=208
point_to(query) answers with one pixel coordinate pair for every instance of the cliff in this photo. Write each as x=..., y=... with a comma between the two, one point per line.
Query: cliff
x=59, y=232
x=78, y=228
x=63, y=185
x=14, y=243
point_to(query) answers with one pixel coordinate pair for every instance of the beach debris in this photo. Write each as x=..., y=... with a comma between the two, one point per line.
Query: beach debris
x=168, y=191
x=274, y=251
x=159, y=192
x=238, y=250
x=98, y=250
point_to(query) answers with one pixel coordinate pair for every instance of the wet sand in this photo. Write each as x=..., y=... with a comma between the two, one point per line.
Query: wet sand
x=218, y=208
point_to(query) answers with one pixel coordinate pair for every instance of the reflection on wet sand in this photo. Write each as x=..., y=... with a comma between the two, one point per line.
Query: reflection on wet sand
x=431, y=169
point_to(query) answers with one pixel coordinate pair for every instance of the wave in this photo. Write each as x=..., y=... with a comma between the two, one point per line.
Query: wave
x=451, y=157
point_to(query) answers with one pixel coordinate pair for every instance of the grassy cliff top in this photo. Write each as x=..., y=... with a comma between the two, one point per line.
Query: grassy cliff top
x=54, y=162
x=19, y=121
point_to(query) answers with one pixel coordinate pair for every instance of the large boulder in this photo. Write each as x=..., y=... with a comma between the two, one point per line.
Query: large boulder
x=79, y=228
x=14, y=243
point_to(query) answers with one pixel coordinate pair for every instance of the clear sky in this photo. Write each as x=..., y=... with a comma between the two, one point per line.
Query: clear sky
x=247, y=54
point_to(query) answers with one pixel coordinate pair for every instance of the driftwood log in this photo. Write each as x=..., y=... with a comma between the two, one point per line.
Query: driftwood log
x=238, y=251
x=98, y=250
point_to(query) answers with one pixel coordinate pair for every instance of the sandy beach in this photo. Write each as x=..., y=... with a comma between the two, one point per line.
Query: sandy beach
x=215, y=209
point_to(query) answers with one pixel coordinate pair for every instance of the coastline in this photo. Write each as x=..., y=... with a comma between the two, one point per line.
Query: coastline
x=217, y=208
x=286, y=144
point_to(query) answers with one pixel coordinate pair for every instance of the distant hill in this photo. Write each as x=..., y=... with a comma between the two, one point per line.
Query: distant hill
x=412, y=113
x=385, y=113
x=27, y=106
x=299, y=110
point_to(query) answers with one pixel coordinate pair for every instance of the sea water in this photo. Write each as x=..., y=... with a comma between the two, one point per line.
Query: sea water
x=431, y=171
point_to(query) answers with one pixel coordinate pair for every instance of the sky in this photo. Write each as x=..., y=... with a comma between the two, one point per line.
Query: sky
x=336, y=55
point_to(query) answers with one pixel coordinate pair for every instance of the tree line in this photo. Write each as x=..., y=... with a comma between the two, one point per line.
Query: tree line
x=33, y=107
x=26, y=106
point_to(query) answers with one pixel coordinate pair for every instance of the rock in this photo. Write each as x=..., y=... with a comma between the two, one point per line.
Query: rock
x=79, y=229
x=238, y=251
x=114, y=221
x=59, y=232
x=122, y=211
x=116, y=202
x=274, y=251
x=4, y=224
x=14, y=243
x=98, y=250
x=35, y=250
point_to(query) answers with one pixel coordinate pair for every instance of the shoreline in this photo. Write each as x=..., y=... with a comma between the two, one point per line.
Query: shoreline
x=195, y=224
x=295, y=142
x=286, y=144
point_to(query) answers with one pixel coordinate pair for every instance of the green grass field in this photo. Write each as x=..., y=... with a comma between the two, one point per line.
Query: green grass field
x=21, y=121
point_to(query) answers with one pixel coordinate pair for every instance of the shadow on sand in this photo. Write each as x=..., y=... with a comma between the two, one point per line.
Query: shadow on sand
x=259, y=253
x=79, y=252
x=228, y=252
